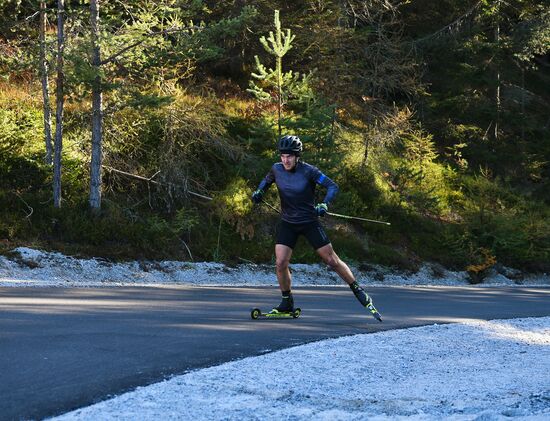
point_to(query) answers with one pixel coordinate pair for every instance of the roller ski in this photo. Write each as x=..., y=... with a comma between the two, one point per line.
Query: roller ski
x=365, y=300
x=256, y=313
x=284, y=310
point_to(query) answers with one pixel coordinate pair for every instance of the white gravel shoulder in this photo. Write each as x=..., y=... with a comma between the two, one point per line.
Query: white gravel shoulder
x=30, y=267
x=476, y=370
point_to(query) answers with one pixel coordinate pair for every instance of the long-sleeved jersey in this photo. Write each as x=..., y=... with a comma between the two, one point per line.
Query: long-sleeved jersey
x=297, y=190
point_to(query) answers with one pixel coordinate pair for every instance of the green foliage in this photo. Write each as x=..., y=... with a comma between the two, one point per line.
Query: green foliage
x=418, y=180
x=502, y=223
x=234, y=205
x=211, y=42
x=235, y=199
x=182, y=142
x=414, y=145
x=390, y=256
x=12, y=139
x=532, y=36
x=21, y=173
x=185, y=220
x=315, y=122
x=20, y=124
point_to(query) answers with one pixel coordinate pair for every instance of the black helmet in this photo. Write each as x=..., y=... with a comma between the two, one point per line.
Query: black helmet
x=290, y=144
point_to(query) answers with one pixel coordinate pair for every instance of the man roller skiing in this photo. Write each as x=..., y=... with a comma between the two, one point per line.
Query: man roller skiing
x=296, y=182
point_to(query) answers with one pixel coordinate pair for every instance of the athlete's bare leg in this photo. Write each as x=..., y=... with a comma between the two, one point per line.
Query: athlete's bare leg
x=282, y=258
x=341, y=268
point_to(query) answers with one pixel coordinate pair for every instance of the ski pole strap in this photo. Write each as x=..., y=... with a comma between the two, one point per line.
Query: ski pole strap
x=337, y=215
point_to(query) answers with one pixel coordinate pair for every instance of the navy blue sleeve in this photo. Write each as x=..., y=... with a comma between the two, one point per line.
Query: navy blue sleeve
x=267, y=181
x=326, y=182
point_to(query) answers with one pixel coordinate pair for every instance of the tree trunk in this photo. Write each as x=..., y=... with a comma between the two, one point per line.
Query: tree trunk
x=366, y=152
x=97, y=112
x=279, y=69
x=497, y=96
x=58, y=143
x=522, y=104
x=279, y=93
x=45, y=85
x=332, y=127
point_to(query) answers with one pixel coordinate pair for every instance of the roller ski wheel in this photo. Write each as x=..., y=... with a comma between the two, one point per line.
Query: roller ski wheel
x=256, y=313
x=374, y=312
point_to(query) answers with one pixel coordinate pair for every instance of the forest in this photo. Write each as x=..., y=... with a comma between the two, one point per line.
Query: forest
x=138, y=129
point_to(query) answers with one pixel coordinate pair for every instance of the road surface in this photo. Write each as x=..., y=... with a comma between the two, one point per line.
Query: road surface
x=62, y=349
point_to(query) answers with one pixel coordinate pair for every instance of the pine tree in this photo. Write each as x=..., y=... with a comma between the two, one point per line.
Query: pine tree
x=273, y=84
x=300, y=109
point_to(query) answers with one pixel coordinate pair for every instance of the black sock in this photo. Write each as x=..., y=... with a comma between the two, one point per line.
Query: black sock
x=286, y=293
x=354, y=286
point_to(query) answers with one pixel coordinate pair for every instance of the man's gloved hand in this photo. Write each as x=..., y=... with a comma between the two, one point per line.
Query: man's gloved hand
x=321, y=209
x=257, y=196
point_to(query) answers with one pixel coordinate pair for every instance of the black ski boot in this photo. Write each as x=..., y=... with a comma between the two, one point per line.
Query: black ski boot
x=365, y=300
x=286, y=306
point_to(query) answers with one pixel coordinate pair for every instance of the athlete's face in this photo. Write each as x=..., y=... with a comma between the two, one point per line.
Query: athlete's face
x=289, y=161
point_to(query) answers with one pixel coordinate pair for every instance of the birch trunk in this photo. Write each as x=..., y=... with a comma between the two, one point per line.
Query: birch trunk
x=97, y=112
x=58, y=143
x=45, y=85
x=497, y=95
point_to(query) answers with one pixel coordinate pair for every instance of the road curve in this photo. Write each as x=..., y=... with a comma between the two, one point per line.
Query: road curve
x=61, y=349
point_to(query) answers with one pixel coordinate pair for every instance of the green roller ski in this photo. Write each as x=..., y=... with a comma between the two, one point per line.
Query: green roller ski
x=365, y=300
x=256, y=313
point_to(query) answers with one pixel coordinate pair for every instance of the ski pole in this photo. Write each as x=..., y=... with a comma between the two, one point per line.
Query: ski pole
x=337, y=215
x=357, y=218
x=271, y=206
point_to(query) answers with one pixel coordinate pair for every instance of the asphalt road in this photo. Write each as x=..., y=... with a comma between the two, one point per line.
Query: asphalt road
x=61, y=349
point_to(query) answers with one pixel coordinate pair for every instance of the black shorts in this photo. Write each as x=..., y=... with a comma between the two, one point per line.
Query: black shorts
x=287, y=234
